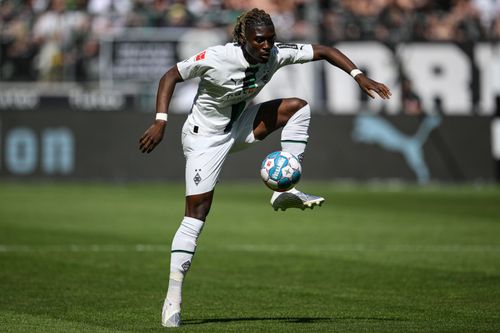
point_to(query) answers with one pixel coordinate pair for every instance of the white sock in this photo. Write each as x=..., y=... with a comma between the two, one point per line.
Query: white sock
x=294, y=137
x=183, y=249
x=295, y=133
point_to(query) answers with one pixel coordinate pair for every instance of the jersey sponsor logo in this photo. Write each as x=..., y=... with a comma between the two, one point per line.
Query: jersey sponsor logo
x=287, y=46
x=249, y=81
x=200, y=56
x=249, y=86
x=240, y=94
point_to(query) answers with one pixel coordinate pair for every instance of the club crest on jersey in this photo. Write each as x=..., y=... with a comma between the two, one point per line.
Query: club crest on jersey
x=197, y=178
x=200, y=56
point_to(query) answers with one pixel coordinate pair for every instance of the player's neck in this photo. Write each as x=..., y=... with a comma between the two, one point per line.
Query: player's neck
x=248, y=57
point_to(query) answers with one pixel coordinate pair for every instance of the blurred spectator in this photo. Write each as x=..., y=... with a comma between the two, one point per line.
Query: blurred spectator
x=103, y=7
x=286, y=19
x=177, y=15
x=405, y=20
x=495, y=29
x=412, y=104
x=401, y=21
x=17, y=47
x=489, y=10
x=59, y=33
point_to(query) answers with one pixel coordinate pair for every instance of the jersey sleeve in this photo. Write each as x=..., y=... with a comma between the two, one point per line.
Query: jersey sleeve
x=291, y=53
x=195, y=66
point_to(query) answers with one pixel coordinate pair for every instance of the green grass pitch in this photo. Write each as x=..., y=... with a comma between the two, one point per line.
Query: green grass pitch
x=94, y=258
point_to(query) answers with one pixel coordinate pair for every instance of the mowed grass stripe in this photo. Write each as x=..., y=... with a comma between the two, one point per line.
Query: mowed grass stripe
x=255, y=248
x=31, y=323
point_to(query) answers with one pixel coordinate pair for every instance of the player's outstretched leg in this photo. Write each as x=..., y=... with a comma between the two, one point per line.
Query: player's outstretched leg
x=183, y=249
x=294, y=140
x=293, y=115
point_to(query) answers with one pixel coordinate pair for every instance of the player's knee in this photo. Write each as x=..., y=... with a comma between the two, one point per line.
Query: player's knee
x=297, y=103
x=293, y=106
x=198, y=207
x=199, y=212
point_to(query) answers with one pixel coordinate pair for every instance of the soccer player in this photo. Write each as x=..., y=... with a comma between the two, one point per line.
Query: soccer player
x=221, y=121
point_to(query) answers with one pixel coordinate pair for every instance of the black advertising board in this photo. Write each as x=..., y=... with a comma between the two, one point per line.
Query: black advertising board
x=104, y=146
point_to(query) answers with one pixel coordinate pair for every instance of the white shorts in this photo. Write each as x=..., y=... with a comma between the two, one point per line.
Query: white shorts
x=205, y=153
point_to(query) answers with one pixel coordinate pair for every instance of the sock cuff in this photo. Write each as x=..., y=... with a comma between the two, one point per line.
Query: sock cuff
x=303, y=112
x=193, y=224
x=297, y=127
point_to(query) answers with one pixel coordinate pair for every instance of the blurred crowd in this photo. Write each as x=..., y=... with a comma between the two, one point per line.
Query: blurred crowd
x=54, y=40
x=396, y=21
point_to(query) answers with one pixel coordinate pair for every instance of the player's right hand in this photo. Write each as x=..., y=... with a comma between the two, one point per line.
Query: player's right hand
x=152, y=137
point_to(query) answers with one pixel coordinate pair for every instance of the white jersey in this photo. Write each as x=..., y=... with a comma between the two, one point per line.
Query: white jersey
x=229, y=82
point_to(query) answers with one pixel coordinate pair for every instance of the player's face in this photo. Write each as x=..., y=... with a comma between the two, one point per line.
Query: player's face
x=259, y=42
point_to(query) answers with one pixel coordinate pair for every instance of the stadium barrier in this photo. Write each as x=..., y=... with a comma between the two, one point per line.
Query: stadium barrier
x=93, y=145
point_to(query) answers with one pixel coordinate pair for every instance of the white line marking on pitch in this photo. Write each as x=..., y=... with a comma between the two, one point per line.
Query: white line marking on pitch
x=10, y=248
x=85, y=248
x=366, y=248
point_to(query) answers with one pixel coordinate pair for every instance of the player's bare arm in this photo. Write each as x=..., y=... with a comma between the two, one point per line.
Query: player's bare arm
x=154, y=134
x=340, y=60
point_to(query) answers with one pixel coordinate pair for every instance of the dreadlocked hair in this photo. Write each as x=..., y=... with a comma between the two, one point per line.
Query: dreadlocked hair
x=253, y=18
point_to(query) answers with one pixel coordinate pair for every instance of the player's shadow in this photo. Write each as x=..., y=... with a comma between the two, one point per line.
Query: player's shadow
x=296, y=320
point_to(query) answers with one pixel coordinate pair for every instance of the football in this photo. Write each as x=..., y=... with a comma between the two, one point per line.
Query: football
x=280, y=171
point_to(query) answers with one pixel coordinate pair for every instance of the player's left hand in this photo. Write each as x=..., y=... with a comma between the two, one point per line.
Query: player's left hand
x=371, y=87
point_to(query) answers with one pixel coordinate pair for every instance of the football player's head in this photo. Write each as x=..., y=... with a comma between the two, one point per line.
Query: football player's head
x=254, y=32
